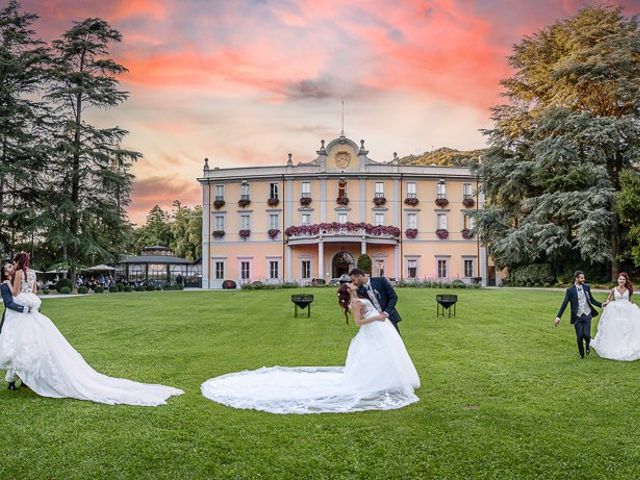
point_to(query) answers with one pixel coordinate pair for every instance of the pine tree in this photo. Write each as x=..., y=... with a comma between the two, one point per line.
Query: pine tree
x=23, y=126
x=558, y=147
x=155, y=231
x=91, y=179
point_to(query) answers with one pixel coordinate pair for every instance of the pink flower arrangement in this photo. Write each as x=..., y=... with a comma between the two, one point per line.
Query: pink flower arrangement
x=218, y=204
x=244, y=202
x=467, y=234
x=379, y=201
x=273, y=202
x=344, y=201
x=305, y=201
x=244, y=234
x=273, y=233
x=349, y=227
x=468, y=202
x=411, y=201
x=442, y=202
x=411, y=233
x=218, y=233
x=442, y=233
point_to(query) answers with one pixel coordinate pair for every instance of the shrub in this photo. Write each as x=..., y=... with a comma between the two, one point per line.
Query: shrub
x=127, y=288
x=140, y=288
x=120, y=287
x=150, y=288
x=63, y=282
x=534, y=275
x=113, y=289
x=45, y=291
x=82, y=289
x=229, y=284
x=178, y=286
x=167, y=286
x=457, y=283
x=289, y=285
x=98, y=289
x=158, y=288
x=364, y=263
x=65, y=290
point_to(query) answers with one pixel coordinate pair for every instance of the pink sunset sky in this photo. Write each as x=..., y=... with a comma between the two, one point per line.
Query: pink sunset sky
x=244, y=82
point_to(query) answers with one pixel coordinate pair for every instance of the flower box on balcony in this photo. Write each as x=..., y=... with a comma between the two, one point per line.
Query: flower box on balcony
x=411, y=233
x=344, y=201
x=244, y=202
x=305, y=201
x=347, y=228
x=273, y=233
x=468, y=202
x=218, y=233
x=442, y=202
x=273, y=202
x=411, y=201
x=467, y=233
x=379, y=201
x=244, y=234
x=442, y=233
x=218, y=204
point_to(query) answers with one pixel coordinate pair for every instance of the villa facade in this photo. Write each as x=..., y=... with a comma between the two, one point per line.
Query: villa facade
x=313, y=219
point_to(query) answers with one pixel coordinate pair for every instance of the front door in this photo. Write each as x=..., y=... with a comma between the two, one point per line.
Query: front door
x=342, y=264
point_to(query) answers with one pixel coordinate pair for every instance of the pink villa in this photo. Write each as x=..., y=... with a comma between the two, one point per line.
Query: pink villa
x=311, y=220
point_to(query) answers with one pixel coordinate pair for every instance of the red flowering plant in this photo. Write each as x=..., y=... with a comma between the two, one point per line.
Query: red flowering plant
x=411, y=201
x=244, y=234
x=442, y=233
x=411, y=233
x=273, y=233
x=467, y=233
x=305, y=201
x=218, y=233
x=349, y=227
x=244, y=202
x=468, y=202
x=218, y=204
x=273, y=202
x=379, y=201
x=442, y=202
x=344, y=201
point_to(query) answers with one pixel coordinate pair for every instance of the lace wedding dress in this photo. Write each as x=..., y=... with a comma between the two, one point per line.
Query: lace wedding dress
x=32, y=346
x=618, y=336
x=378, y=375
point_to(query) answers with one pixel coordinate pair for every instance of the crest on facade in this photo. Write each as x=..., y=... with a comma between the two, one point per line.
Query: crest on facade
x=343, y=159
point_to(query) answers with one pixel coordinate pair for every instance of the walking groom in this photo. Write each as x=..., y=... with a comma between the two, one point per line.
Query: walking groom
x=380, y=292
x=582, y=311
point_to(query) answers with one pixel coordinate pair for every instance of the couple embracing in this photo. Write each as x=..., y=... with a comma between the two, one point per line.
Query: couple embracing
x=34, y=350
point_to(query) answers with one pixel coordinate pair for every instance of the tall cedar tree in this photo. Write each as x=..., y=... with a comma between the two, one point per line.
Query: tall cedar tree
x=92, y=179
x=558, y=147
x=23, y=126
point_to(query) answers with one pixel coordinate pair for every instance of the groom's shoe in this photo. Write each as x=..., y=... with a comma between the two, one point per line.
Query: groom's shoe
x=588, y=350
x=12, y=386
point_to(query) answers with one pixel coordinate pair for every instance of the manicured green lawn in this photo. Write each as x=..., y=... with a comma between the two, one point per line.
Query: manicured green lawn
x=503, y=394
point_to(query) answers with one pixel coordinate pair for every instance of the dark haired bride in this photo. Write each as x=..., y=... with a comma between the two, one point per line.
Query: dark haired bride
x=32, y=348
x=378, y=375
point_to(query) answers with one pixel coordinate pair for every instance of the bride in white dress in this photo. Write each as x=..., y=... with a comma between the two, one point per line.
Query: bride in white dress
x=378, y=375
x=618, y=336
x=32, y=348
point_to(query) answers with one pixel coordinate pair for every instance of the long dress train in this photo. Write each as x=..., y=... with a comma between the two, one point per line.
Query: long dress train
x=378, y=375
x=32, y=346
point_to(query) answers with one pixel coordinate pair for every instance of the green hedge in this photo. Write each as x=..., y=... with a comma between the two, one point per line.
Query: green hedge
x=113, y=289
x=98, y=289
x=63, y=282
x=65, y=290
x=127, y=288
x=82, y=289
x=534, y=275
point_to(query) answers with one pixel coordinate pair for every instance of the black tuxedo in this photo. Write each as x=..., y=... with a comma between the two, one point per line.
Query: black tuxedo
x=582, y=323
x=7, y=299
x=385, y=296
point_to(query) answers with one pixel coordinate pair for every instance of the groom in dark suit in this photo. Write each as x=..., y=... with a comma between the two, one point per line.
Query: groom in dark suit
x=380, y=292
x=582, y=311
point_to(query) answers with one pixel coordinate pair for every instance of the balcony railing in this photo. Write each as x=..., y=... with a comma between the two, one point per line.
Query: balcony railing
x=306, y=195
x=379, y=195
x=337, y=229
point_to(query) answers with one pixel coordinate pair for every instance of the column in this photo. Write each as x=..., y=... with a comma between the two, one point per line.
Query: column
x=321, y=259
x=484, y=266
x=397, y=262
x=289, y=276
x=363, y=247
x=206, y=234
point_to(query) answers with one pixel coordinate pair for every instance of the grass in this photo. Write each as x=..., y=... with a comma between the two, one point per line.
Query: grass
x=503, y=394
